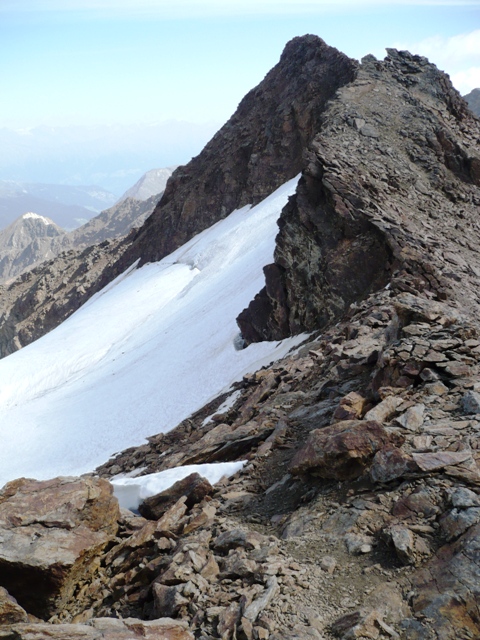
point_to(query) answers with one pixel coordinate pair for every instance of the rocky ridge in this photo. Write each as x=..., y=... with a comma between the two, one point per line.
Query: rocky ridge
x=256, y=151
x=357, y=514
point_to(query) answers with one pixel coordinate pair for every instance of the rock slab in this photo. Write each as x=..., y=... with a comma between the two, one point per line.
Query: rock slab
x=51, y=532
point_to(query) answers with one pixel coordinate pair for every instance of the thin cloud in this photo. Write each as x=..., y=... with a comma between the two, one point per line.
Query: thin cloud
x=467, y=80
x=453, y=50
x=209, y=7
x=458, y=55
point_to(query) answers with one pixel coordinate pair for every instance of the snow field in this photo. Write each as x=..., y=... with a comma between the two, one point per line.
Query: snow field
x=144, y=353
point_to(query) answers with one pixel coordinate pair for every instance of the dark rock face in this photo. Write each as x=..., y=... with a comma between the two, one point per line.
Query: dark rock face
x=397, y=140
x=256, y=151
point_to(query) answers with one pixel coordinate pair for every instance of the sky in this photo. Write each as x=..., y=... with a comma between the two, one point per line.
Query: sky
x=86, y=62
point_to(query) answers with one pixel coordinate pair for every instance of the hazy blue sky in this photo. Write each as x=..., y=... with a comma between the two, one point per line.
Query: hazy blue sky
x=126, y=61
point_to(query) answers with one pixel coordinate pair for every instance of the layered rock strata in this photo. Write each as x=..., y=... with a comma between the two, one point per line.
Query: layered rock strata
x=390, y=186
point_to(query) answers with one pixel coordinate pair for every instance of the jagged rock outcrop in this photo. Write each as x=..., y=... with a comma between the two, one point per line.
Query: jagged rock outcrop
x=390, y=186
x=473, y=100
x=256, y=151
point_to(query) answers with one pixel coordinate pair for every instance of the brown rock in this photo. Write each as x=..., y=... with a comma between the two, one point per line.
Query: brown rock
x=167, y=601
x=228, y=620
x=434, y=461
x=412, y=419
x=404, y=543
x=342, y=451
x=391, y=463
x=10, y=610
x=351, y=407
x=51, y=531
x=193, y=487
x=101, y=629
x=171, y=521
x=384, y=410
x=238, y=538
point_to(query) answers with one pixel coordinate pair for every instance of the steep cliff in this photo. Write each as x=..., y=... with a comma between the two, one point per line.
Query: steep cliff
x=390, y=191
x=256, y=151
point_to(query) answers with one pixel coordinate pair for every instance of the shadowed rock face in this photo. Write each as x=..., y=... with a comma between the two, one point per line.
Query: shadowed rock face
x=392, y=172
x=256, y=151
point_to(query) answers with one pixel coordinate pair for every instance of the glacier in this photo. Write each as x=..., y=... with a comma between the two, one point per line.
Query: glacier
x=141, y=355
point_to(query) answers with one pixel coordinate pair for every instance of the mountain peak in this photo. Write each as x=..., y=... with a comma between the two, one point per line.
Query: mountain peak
x=30, y=215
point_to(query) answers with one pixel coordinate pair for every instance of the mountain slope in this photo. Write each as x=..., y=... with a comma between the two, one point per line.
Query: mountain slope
x=151, y=183
x=256, y=151
x=112, y=370
x=355, y=510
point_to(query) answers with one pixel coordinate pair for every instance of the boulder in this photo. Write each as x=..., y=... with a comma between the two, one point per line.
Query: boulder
x=342, y=451
x=51, y=531
x=193, y=487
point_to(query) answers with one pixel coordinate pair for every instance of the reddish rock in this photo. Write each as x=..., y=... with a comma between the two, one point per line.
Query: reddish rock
x=351, y=407
x=51, y=531
x=193, y=487
x=391, y=463
x=342, y=451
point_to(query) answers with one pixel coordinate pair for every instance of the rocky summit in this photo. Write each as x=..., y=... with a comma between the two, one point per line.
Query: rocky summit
x=357, y=512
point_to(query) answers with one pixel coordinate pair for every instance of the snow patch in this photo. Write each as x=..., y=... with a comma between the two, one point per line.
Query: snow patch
x=225, y=406
x=131, y=492
x=35, y=216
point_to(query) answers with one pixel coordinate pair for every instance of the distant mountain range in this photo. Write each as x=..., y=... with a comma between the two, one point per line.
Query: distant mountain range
x=67, y=205
x=36, y=236
x=473, y=99
x=113, y=156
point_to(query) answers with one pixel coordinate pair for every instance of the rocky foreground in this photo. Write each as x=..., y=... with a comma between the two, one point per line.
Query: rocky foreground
x=357, y=514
